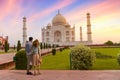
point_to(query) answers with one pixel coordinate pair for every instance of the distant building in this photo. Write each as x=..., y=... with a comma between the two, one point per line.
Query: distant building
x=61, y=33
x=2, y=40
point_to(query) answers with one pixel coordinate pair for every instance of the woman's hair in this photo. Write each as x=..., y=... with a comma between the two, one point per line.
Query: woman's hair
x=36, y=43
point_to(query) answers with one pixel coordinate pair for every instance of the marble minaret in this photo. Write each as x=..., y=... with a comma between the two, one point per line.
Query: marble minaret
x=80, y=33
x=89, y=37
x=24, y=32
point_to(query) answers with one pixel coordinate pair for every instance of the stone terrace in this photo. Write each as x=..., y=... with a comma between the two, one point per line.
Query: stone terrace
x=61, y=75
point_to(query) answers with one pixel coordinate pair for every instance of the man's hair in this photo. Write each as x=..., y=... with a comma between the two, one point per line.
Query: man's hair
x=30, y=38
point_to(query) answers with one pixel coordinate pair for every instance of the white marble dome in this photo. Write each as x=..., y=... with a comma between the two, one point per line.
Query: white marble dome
x=59, y=19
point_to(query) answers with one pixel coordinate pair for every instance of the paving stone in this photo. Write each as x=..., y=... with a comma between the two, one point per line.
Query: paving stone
x=61, y=75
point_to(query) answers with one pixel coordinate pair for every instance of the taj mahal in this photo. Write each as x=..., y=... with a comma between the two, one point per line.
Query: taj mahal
x=60, y=32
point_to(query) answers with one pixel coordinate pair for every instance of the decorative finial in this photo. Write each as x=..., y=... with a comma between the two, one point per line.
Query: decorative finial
x=24, y=17
x=88, y=13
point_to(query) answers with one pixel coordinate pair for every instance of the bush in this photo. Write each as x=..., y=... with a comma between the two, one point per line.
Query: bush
x=60, y=49
x=81, y=57
x=53, y=51
x=118, y=59
x=21, y=60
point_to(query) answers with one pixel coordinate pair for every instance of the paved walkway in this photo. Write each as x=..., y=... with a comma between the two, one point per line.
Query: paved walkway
x=61, y=75
x=8, y=57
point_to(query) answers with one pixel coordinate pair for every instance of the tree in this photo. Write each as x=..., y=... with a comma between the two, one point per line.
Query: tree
x=49, y=45
x=57, y=45
x=14, y=47
x=18, y=45
x=41, y=45
x=44, y=46
x=117, y=44
x=108, y=42
x=6, y=46
x=53, y=46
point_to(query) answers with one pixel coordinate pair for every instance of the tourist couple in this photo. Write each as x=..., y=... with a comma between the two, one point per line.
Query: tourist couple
x=33, y=56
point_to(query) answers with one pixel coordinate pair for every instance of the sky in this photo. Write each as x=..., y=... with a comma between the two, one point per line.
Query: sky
x=105, y=18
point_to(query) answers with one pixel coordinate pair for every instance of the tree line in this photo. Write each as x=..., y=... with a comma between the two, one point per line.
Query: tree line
x=42, y=45
x=111, y=43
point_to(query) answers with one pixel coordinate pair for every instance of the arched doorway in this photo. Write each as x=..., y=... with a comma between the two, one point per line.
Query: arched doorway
x=57, y=36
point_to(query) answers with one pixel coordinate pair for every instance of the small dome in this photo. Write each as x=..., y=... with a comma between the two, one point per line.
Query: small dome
x=49, y=24
x=67, y=25
x=58, y=20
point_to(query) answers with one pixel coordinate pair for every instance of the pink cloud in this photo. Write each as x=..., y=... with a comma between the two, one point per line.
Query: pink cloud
x=96, y=10
x=12, y=8
x=103, y=16
x=59, y=5
x=7, y=8
x=16, y=12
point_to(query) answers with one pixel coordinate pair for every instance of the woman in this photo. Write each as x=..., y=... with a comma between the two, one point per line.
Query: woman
x=36, y=57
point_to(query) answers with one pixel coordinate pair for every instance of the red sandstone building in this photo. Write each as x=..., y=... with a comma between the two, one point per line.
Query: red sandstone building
x=2, y=40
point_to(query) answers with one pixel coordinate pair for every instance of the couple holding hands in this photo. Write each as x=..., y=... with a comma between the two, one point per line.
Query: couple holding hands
x=33, y=54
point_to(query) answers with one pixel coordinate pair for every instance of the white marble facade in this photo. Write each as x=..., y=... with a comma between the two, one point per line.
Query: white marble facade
x=61, y=33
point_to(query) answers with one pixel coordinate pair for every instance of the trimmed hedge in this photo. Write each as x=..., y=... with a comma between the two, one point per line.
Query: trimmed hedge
x=82, y=57
x=21, y=60
x=102, y=56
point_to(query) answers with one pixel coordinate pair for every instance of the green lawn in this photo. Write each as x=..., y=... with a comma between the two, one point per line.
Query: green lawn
x=109, y=63
x=61, y=60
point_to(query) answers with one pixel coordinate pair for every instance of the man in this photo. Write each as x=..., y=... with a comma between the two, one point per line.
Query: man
x=28, y=48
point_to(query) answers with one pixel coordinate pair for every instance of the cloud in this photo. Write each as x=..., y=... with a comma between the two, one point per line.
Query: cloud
x=103, y=15
x=58, y=5
x=96, y=10
x=7, y=8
